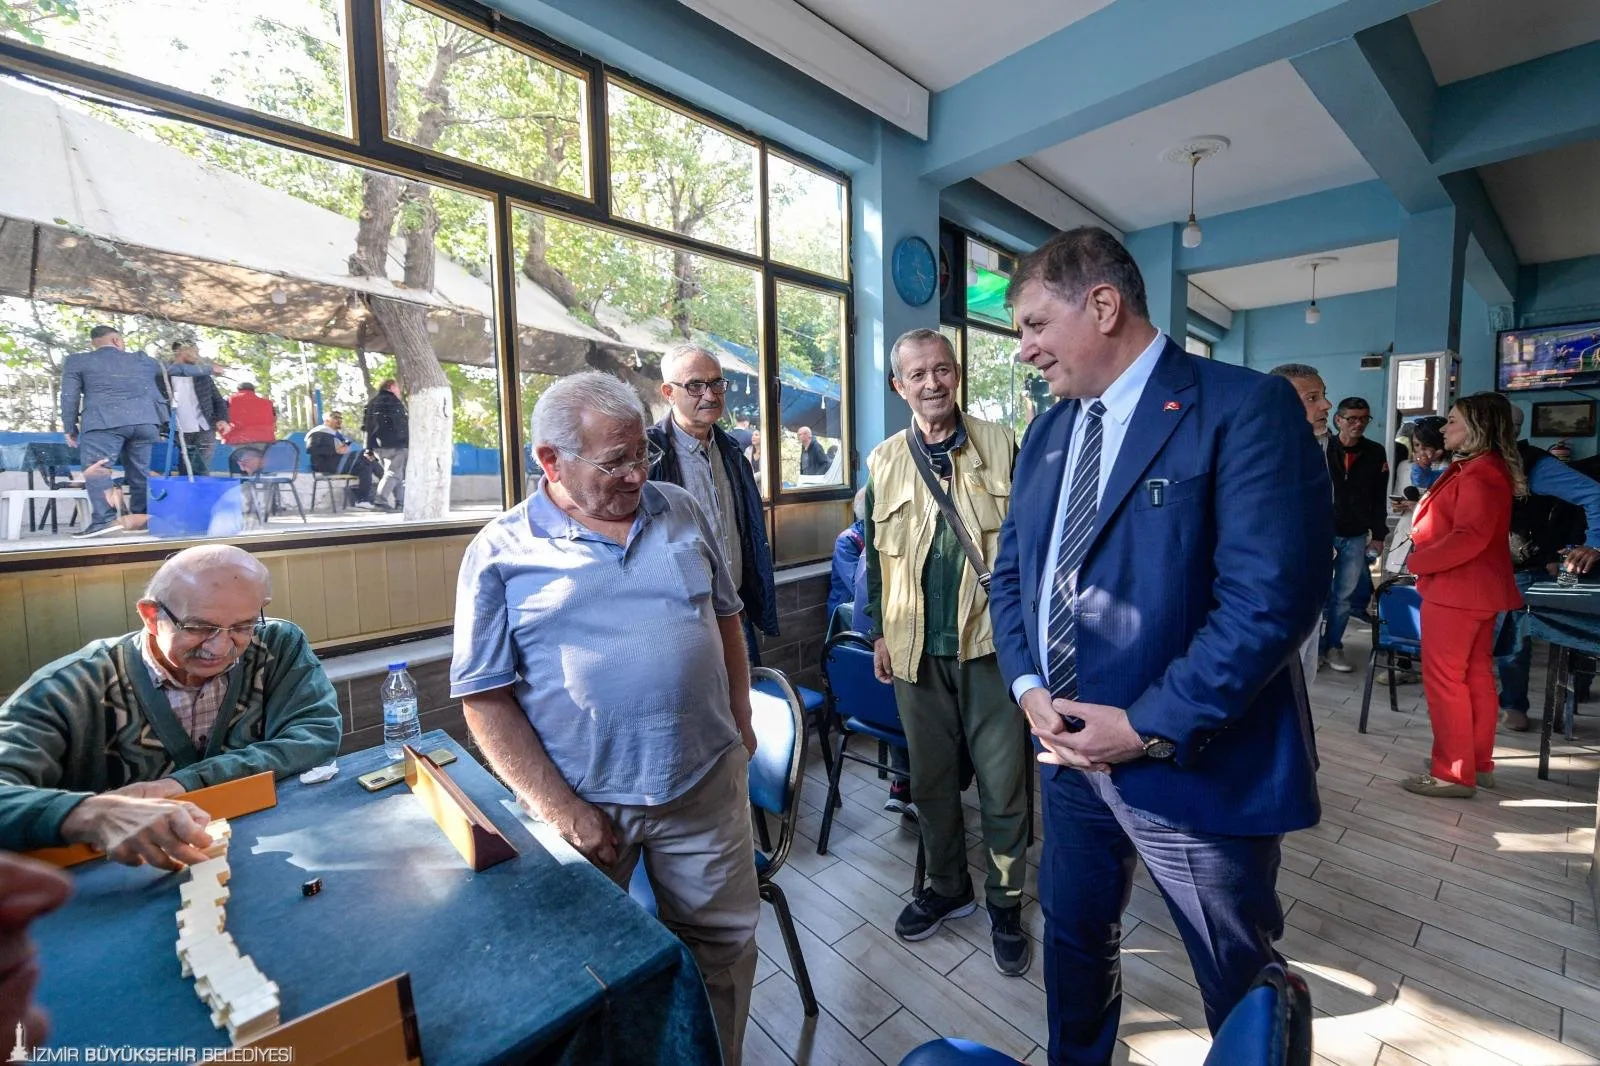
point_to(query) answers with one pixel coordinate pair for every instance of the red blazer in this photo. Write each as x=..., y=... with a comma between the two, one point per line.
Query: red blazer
x=1461, y=551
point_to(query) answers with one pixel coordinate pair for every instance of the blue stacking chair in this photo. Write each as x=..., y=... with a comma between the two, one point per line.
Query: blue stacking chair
x=858, y=705
x=778, y=718
x=1399, y=632
x=1271, y=1026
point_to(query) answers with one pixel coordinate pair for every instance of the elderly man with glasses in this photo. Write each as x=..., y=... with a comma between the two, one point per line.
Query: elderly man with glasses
x=600, y=661
x=1360, y=472
x=704, y=458
x=99, y=747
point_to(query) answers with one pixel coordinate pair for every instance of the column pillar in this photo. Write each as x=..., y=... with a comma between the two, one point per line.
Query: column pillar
x=1167, y=291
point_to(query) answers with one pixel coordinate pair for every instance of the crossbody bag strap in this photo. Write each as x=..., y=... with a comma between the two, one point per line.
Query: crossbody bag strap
x=947, y=507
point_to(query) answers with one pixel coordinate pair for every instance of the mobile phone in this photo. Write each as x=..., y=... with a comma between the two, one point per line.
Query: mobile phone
x=395, y=772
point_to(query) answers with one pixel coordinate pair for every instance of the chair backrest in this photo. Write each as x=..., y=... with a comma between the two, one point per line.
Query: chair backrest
x=853, y=690
x=1399, y=615
x=52, y=462
x=780, y=760
x=842, y=620
x=1270, y=1026
x=281, y=457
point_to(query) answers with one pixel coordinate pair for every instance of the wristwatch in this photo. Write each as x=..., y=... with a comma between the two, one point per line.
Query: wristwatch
x=1158, y=747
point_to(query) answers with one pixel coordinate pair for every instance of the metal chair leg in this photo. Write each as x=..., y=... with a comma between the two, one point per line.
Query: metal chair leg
x=832, y=799
x=802, y=977
x=920, y=874
x=1366, y=694
x=1394, y=697
x=1554, y=694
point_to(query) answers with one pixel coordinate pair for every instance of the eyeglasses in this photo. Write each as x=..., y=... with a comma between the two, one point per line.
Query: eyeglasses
x=698, y=387
x=202, y=632
x=621, y=470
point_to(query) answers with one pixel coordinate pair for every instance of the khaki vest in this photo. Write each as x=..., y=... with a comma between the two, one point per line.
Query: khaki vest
x=904, y=517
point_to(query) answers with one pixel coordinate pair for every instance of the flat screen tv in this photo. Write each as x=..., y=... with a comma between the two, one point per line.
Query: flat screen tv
x=1549, y=357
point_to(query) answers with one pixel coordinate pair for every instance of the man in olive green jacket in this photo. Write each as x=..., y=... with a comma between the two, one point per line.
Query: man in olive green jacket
x=929, y=615
x=98, y=746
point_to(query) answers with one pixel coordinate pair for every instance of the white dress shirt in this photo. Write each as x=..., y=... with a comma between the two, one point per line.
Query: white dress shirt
x=1121, y=400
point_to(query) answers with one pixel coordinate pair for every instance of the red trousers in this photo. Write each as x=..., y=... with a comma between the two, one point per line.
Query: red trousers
x=1458, y=682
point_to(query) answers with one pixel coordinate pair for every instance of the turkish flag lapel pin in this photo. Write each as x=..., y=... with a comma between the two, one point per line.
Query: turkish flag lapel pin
x=1171, y=405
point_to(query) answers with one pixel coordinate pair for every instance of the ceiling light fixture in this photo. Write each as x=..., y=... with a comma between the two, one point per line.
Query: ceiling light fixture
x=1191, y=152
x=1313, y=312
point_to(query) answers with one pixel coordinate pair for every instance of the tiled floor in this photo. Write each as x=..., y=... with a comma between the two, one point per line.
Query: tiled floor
x=1431, y=931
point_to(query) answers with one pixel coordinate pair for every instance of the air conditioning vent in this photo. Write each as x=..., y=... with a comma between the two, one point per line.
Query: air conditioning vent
x=1372, y=362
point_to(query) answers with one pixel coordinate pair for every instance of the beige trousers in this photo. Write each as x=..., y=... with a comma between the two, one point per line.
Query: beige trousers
x=700, y=860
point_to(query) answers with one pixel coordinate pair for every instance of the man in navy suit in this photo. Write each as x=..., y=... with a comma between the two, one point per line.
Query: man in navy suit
x=1150, y=594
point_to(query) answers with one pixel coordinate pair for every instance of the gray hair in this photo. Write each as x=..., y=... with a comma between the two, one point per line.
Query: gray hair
x=1294, y=370
x=1516, y=419
x=860, y=505
x=677, y=354
x=182, y=568
x=919, y=336
x=558, y=416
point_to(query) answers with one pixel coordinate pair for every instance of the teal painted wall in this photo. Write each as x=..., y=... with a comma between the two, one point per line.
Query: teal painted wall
x=1351, y=326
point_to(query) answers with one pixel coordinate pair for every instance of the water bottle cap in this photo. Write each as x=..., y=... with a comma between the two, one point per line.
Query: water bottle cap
x=397, y=666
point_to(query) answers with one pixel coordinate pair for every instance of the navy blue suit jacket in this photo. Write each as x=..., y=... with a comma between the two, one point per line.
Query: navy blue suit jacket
x=1194, y=598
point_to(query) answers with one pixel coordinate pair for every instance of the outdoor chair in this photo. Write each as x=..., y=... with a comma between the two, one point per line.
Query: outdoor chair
x=1398, y=632
x=338, y=489
x=51, y=479
x=776, y=771
x=265, y=470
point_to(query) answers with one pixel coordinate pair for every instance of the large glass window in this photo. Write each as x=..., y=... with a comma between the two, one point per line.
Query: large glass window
x=304, y=283
x=810, y=369
x=452, y=90
x=989, y=271
x=679, y=174
x=592, y=298
x=999, y=388
x=810, y=217
x=286, y=58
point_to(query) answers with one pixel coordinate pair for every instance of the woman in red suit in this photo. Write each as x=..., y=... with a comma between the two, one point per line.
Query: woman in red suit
x=1462, y=558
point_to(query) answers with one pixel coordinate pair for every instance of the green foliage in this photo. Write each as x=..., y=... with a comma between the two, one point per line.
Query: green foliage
x=22, y=19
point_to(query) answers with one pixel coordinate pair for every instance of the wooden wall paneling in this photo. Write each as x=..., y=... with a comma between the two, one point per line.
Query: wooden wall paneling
x=102, y=604
x=309, y=593
x=434, y=590
x=134, y=579
x=372, y=603
x=52, y=616
x=283, y=598
x=339, y=593
x=15, y=662
x=400, y=572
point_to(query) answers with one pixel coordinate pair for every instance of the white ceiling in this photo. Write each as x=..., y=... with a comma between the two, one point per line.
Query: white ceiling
x=941, y=42
x=1465, y=38
x=1547, y=202
x=1359, y=269
x=1284, y=145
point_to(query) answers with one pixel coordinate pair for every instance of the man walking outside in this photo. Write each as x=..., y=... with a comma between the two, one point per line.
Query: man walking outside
x=200, y=410
x=112, y=408
x=1360, y=472
x=388, y=430
x=928, y=613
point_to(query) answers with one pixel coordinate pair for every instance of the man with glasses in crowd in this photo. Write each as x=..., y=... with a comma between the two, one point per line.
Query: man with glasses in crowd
x=600, y=662
x=98, y=747
x=1360, y=472
x=701, y=456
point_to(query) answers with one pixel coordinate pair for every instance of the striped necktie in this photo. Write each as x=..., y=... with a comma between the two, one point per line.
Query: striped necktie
x=1082, y=505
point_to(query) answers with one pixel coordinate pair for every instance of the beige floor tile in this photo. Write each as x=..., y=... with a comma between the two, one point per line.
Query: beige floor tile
x=899, y=1036
x=820, y=1041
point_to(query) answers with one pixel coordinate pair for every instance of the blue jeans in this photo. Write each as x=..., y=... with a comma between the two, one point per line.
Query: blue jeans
x=1350, y=558
x=1220, y=891
x=127, y=446
x=1515, y=666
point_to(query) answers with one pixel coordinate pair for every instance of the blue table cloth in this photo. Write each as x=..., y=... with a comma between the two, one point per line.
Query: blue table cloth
x=538, y=959
x=1568, y=615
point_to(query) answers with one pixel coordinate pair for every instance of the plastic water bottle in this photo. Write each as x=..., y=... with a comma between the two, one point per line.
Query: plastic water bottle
x=400, y=723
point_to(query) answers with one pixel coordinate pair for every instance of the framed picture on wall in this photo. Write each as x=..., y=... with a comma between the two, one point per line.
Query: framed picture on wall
x=1568, y=418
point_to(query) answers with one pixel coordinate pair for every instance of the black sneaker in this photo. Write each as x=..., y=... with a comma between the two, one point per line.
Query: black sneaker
x=924, y=914
x=899, y=801
x=1013, y=952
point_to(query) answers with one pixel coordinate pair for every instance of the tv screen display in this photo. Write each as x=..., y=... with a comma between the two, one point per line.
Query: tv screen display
x=1550, y=357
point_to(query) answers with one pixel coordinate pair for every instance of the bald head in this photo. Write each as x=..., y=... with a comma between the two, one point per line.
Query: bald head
x=205, y=571
x=200, y=610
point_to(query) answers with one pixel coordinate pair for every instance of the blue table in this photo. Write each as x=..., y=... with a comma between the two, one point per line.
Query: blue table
x=539, y=959
x=1567, y=617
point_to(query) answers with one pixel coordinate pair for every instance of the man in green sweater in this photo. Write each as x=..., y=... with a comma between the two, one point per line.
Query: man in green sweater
x=95, y=747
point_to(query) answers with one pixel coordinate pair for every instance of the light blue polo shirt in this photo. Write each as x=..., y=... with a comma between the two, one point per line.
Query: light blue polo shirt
x=612, y=651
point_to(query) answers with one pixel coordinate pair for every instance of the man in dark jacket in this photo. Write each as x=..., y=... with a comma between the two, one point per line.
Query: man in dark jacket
x=696, y=453
x=200, y=409
x=388, y=430
x=1360, y=472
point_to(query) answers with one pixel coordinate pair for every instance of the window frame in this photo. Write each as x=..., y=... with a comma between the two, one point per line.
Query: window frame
x=369, y=146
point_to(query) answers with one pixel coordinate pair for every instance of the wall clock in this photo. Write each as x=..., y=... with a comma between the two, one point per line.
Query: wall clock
x=916, y=272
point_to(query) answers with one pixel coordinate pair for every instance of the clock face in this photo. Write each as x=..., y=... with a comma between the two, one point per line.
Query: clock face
x=916, y=272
